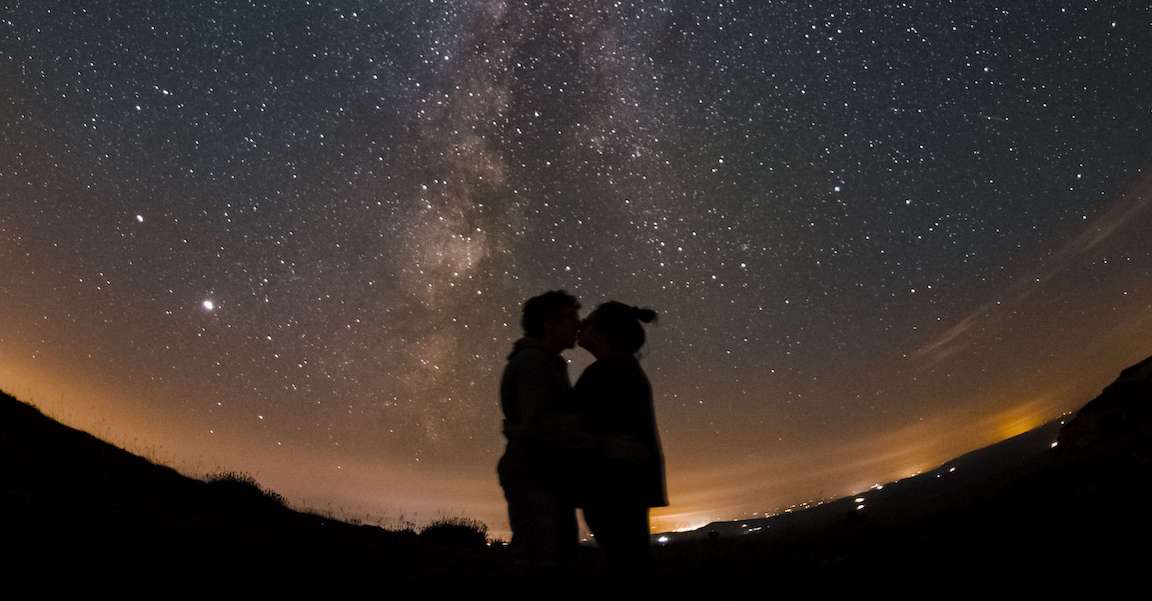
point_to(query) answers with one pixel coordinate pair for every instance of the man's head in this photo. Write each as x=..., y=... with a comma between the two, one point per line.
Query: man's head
x=552, y=317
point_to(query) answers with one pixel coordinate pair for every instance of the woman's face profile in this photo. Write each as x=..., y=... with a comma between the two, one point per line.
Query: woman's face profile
x=588, y=332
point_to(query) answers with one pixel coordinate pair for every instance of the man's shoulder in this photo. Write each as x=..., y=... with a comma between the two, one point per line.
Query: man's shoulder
x=532, y=367
x=532, y=355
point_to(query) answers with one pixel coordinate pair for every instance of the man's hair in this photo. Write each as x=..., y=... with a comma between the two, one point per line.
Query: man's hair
x=539, y=309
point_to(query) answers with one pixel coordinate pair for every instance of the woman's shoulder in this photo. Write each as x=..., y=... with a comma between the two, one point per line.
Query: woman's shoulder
x=626, y=363
x=620, y=361
x=618, y=371
x=613, y=365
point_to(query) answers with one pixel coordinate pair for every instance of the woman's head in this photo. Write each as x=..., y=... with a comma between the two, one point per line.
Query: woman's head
x=615, y=327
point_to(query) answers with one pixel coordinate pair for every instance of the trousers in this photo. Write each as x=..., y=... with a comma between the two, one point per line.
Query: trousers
x=543, y=521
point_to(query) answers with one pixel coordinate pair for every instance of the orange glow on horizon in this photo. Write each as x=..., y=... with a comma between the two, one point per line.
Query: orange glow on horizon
x=375, y=491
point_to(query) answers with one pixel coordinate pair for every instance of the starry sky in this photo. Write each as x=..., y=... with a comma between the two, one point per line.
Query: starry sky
x=293, y=238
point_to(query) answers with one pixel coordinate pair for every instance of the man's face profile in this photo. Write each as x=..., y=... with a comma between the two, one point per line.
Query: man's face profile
x=566, y=326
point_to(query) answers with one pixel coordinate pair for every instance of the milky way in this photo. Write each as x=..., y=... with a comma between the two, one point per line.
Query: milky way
x=293, y=238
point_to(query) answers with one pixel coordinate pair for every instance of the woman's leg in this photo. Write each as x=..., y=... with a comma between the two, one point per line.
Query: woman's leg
x=622, y=533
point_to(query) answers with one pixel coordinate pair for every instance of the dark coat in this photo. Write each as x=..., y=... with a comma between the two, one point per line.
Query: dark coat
x=614, y=398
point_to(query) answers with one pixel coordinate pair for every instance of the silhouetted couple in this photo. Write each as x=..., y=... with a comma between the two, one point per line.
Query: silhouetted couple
x=594, y=446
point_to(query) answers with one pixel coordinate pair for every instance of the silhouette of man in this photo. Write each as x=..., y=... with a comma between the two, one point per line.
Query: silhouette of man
x=535, y=396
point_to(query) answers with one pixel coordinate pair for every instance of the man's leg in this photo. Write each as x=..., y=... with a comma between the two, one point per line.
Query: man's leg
x=567, y=531
x=544, y=529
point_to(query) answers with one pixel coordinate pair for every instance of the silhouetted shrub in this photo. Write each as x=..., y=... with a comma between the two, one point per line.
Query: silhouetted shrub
x=243, y=486
x=464, y=532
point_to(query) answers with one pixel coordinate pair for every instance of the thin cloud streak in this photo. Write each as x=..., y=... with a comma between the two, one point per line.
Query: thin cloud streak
x=955, y=338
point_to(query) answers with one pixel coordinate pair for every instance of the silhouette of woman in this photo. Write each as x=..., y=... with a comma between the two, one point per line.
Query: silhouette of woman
x=624, y=477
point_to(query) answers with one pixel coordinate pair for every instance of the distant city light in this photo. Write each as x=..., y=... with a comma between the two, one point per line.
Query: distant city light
x=663, y=540
x=692, y=527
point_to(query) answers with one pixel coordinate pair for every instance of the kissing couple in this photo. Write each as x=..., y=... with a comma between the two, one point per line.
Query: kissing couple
x=592, y=446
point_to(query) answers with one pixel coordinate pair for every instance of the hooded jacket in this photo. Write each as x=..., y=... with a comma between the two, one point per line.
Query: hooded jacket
x=536, y=398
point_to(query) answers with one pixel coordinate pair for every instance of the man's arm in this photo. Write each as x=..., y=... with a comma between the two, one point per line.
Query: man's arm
x=541, y=390
x=535, y=382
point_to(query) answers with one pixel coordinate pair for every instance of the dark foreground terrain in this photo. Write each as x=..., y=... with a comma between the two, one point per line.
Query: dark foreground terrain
x=1026, y=508
x=1022, y=508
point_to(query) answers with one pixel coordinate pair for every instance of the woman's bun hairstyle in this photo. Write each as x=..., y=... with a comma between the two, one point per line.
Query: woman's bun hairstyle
x=620, y=323
x=644, y=314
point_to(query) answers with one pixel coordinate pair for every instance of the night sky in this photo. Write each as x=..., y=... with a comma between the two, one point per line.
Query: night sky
x=293, y=238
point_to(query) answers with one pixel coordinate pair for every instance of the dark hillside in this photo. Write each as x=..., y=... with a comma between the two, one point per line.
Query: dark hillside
x=1021, y=506
x=68, y=496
